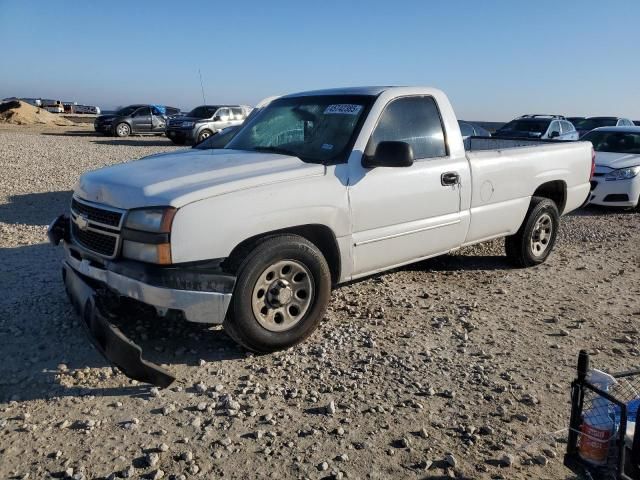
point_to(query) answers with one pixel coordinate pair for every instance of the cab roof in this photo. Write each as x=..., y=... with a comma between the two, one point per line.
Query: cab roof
x=373, y=91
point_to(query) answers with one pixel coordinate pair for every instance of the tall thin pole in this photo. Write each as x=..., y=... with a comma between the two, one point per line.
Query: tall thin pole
x=204, y=100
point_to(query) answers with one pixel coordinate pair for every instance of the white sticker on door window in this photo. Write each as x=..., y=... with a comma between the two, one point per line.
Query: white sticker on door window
x=343, y=109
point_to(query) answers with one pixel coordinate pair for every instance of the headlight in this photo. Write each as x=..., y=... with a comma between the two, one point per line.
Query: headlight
x=188, y=124
x=623, y=173
x=156, y=220
x=146, y=235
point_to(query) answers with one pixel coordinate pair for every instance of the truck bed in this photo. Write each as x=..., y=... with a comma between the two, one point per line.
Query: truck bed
x=490, y=143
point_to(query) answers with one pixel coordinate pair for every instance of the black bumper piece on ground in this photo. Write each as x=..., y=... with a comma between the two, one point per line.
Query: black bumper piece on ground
x=108, y=339
x=59, y=230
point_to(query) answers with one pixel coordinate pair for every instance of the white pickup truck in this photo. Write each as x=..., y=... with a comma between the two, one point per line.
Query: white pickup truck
x=318, y=189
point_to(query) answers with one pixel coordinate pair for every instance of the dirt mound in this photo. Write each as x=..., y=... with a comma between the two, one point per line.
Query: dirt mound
x=22, y=113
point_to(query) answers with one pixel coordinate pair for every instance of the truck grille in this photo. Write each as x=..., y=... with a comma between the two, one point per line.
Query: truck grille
x=96, y=228
x=98, y=215
x=96, y=242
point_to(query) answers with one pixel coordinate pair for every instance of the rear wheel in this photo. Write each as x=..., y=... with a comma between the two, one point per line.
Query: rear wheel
x=534, y=241
x=123, y=130
x=282, y=290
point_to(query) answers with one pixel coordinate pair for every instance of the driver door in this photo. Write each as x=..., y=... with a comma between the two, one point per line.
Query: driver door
x=402, y=214
x=141, y=120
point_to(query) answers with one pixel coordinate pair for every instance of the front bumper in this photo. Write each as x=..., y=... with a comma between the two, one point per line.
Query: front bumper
x=181, y=134
x=102, y=128
x=615, y=193
x=87, y=280
x=109, y=340
x=202, y=295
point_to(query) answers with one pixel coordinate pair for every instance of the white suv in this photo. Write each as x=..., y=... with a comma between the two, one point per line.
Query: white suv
x=543, y=127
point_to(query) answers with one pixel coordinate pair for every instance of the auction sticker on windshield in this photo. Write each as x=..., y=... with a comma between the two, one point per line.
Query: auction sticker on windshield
x=343, y=109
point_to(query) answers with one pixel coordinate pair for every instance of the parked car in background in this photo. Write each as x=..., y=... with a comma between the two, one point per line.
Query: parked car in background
x=616, y=180
x=575, y=120
x=87, y=109
x=204, y=121
x=319, y=189
x=587, y=124
x=224, y=136
x=135, y=119
x=53, y=106
x=543, y=127
x=469, y=129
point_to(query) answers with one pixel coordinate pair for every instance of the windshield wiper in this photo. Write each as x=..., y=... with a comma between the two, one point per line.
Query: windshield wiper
x=281, y=150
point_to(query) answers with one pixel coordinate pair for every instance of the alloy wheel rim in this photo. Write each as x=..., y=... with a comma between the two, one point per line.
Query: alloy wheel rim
x=541, y=235
x=282, y=295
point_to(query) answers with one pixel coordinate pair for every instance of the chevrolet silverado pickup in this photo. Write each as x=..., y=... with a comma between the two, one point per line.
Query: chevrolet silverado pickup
x=317, y=189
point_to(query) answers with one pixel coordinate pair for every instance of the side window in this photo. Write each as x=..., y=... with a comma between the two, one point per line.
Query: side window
x=414, y=120
x=466, y=129
x=554, y=127
x=238, y=113
x=223, y=114
x=567, y=127
x=141, y=112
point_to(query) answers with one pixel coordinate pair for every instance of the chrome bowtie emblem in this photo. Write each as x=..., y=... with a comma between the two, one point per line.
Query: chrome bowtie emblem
x=82, y=221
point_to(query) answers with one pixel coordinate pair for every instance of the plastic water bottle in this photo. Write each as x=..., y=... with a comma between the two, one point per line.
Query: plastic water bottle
x=598, y=425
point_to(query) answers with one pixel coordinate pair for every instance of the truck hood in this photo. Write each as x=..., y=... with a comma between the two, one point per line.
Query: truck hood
x=617, y=160
x=176, y=179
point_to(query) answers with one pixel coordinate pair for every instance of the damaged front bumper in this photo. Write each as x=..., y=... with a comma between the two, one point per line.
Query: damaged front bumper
x=108, y=339
x=201, y=294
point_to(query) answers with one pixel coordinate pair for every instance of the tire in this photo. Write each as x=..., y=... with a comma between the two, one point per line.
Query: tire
x=204, y=134
x=534, y=241
x=303, y=293
x=122, y=130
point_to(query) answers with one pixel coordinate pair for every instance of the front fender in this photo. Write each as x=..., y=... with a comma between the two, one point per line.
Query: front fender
x=213, y=227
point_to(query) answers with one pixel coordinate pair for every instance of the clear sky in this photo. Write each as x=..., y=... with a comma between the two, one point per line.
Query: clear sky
x=495, y=59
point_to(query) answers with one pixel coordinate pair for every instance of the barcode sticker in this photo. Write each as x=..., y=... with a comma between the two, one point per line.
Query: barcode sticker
x=343, y=109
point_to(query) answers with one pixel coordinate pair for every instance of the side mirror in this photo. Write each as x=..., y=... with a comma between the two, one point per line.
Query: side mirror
x=390, y=154
x=554, y=134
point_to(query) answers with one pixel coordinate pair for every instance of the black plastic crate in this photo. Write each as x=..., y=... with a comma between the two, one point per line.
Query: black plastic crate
x=619, y=404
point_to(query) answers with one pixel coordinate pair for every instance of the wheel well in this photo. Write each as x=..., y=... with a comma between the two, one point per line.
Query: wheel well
x=556, y=191
x=320, y=235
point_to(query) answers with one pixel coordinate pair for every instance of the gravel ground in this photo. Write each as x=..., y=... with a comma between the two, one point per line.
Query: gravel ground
x=458, y=366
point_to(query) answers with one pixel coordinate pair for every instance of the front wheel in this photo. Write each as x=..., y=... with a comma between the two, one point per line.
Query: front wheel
x=204, y=134
x=282, y=290
x=534, y=241
x=123, y=130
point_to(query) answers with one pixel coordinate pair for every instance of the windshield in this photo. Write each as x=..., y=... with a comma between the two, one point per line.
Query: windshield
x=618, y=142
x=126, y=111
x=591, y=123
x=204, y=111
x=317, y=129
x=532, y=126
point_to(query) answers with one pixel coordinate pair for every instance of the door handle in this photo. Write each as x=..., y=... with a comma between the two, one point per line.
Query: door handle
x=449, y=178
